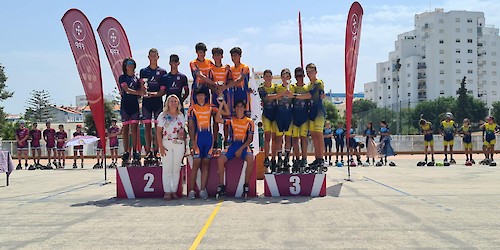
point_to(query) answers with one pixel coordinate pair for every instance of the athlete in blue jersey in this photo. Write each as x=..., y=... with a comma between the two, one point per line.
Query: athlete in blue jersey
x=327, y=138
x=339, y=135
x=175, y=82
x=131, y=90
x=152, y=101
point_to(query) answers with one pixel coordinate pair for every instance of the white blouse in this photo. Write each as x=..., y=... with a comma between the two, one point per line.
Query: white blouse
x=173, y=127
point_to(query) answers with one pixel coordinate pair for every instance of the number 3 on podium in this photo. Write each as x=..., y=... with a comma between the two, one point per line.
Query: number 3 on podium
x=295, y=188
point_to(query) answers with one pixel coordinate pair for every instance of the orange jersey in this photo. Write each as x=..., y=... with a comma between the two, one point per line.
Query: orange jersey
x=204, y=66
x=237, y=71
x=220, y=74
x=201, y=115
x=240, y=129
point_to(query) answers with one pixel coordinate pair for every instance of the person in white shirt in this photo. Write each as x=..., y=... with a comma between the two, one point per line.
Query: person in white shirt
x=171, y=138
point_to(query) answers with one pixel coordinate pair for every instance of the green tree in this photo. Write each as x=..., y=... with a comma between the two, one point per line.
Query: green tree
x=8, y=130
x=38, y=106
x=495, y=112
x=4, y=94
x=332, y=113
x=361, y=105
x=90, y=127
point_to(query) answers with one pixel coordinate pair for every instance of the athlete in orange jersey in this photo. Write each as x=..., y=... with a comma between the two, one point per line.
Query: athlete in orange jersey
x=241, y=133
x=200, y=66
x=241, y=76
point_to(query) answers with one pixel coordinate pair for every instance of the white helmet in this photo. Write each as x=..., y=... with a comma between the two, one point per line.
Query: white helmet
x=449, y=115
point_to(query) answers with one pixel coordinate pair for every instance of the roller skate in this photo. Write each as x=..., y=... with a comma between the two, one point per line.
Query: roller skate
x=96, y=166
x=472, y=161
x=452, y=161
x=422, y=163
x=149, y=160
x=25, y=165
x=39, y=166
x=32, y=167
x=311, y=169
x=302, y=166
x=81, y=165
x=380, y=163
x=273, y=167
x=492, y=163
x=136, y=159
x=352, y=163
x=392, y=164
x=267, y=163
x=49, y=166
x=74, y=165
x=485, y=161
x=468, y=163
x=221, y=192
x=246, y=190
x=296, y=166
x=446, y=163
x=431, y=163
x=157, y=158
x=126, y=159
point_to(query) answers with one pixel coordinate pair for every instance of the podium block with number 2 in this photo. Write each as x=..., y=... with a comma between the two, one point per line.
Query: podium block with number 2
x=142, y=182
x=277, y=185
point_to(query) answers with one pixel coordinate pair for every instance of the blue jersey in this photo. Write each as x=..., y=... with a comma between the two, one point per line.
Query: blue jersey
x=129, y=103
x=174, y=84
x=384, y=130
x=368, y=132
x=300, y=106
x=153, y=77
x=316, y=89
x=339, y=134
x=269, y=106
x=327, y=131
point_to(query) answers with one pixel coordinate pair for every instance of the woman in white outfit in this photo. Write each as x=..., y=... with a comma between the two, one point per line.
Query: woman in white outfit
x=171, y=140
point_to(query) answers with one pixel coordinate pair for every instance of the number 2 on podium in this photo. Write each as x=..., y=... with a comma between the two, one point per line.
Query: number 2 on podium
x=150, y=178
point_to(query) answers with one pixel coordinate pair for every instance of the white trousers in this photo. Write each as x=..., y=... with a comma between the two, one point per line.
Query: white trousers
x=171, y=164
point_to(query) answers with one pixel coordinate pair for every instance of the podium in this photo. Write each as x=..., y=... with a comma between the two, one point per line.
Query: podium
x=234, y=178
x=142, y=182
x=312, y=185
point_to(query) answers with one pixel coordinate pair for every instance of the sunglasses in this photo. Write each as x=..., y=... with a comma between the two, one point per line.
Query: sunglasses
x=130, y=63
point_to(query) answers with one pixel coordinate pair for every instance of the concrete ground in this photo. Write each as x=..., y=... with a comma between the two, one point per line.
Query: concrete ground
x=381, y=208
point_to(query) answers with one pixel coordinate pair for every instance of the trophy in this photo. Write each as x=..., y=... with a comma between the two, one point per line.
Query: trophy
x=220, y=96
x=146, y=86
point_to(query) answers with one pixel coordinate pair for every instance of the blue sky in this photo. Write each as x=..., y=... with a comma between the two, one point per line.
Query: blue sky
x=36, y=55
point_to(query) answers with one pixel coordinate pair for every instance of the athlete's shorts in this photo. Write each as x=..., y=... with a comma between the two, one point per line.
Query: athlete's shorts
x=328, y=142
x=448, y=143
x=204, y=141
x=61, y=149
x=129, y=119
x=489, y=143
x=428, y=143
x=267, y=124
x=35, y=148
x=231, y=150
x=50, y=145
x=317, y=124
x=149, y=114
x=22, y=147
x=113, y=145
x=352, y=143
x=467, y=145
x=35, y=145
x=300, y=131
x=339, y=143
x=277, y=131
x=78, y=148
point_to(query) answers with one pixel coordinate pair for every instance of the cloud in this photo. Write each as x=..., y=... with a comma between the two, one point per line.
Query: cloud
x=252, y=30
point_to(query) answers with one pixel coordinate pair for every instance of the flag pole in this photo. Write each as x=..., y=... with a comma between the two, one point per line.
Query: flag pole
x=300, y=42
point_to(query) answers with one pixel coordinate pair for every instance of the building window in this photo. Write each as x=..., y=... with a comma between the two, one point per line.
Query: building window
x=380, y=97
x=441, y=51
x=441, y=31
x=458, y=81
x=409, y=94
x=494, y=53
x=441, y=92
x=469, y=30
x=457, y=61
x=389, y=97
x=469, y=51
x=493, y=63
x=408, y=65
x=469, y=20
x=469, y=71
x=457, y=20
x=441, y=41
x=493, y=93
x=493, y=73
x=441, y=61
x=494, y=83
x=409, y=84
x=389, y=87
x=458, y=71
x=469, y=61
x=457, y=40
x=441, y=72
x=457, y=30
x=441, y=82
x=469, y=40
x=457, y=51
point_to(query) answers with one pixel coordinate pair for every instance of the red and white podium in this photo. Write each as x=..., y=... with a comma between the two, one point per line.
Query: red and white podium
x=313, y=185
x=234, y=176
x=142, y=182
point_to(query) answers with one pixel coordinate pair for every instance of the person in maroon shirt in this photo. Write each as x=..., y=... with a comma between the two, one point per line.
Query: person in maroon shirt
x=22, y=135
x=113, y=133
x=79, y=148
x=36, y=151
x=49, y=136
x=61, y=137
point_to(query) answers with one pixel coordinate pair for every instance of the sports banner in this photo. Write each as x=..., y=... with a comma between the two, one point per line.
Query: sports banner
x=115, y=43
x=352, y=37
x=84, y=47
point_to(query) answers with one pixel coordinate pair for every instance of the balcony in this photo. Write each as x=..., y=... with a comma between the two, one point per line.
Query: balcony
x=421, y=66
x=421, y=76
x=422, y=86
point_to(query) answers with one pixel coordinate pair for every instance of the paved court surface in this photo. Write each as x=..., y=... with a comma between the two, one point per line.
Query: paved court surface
x=381, y=208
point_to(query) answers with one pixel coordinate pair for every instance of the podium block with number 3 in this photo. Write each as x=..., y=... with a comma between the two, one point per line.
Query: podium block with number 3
x=142, y=182
x=313, y=185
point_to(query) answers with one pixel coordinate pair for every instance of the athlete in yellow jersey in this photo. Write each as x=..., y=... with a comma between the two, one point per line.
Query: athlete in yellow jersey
x=316, y=114
x=267, y=93
x=300, y=124
x=490, y=128
x=448, y=129
x=465, y=132
x=426, y=129
x=283, y=122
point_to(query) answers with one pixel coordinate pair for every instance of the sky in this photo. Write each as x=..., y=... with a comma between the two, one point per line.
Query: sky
x=36, y=55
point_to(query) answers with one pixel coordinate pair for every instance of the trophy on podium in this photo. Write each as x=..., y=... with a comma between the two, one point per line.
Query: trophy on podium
x=146, y=86
x=220, y=97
